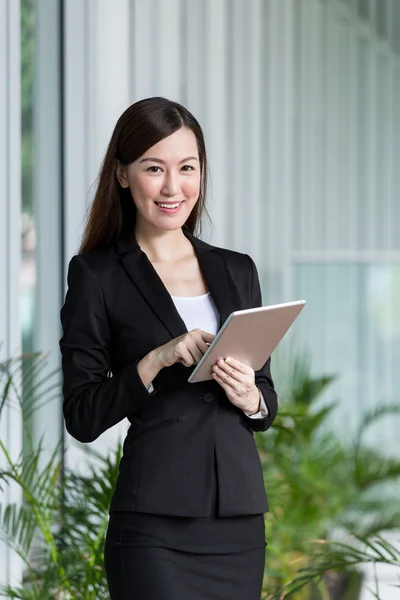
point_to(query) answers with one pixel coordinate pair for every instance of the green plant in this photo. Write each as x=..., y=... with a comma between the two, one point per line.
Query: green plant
x=59, y=529
x=319, y=483
x=62, y=549
x=337, y=557
x=316, y=482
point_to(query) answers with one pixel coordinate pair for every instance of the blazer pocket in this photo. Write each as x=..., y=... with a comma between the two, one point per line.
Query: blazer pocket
x=158, y=425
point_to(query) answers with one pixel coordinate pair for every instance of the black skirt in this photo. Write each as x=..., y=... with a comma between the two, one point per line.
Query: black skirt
x=151, y=557
x=136, y=573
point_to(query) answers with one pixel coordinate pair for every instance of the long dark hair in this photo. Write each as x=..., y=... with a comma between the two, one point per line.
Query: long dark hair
x=141, y=126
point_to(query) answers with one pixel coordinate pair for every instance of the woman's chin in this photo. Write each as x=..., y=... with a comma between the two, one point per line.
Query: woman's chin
x=168, y=224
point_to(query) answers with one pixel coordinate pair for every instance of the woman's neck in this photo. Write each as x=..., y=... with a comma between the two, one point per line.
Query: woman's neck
x=163, y=246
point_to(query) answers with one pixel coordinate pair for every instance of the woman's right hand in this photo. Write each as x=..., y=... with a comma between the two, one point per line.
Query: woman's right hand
x=187, y=349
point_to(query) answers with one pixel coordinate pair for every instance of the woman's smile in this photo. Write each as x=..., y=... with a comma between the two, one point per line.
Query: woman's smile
x=169, y=207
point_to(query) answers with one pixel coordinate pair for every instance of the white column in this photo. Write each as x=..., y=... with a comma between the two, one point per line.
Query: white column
x=110, y=60
x=10, y=247
x=47, y=179
x=143, y=54
x=77, y=80
x=255, y=198
x=215, y=123
x=168, y=41
x=98, y=63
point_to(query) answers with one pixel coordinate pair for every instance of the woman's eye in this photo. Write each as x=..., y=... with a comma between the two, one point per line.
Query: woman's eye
x=154, y=169
x=188, y=168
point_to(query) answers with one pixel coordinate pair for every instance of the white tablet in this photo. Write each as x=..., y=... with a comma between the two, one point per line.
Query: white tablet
x=249, y=336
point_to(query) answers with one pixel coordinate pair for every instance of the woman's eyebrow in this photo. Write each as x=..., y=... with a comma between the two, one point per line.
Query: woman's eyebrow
x=158, y=160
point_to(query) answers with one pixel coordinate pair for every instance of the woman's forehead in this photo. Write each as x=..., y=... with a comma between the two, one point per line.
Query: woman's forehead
x=177, y=147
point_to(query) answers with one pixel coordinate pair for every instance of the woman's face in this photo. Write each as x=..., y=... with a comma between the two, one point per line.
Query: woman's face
x=165, y=181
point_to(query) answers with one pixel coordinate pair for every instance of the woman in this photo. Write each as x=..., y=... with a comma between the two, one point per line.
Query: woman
x=145, y=298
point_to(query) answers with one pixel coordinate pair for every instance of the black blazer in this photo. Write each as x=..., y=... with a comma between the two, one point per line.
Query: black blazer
x=116, y=310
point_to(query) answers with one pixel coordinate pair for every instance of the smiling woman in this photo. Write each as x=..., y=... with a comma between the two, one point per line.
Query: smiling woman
x=156, y=155
x=145, y=299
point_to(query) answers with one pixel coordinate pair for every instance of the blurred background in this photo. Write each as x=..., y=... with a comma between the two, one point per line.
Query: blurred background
x=300, y=104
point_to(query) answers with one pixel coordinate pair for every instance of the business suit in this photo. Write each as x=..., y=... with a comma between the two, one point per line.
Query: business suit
x=116, y=311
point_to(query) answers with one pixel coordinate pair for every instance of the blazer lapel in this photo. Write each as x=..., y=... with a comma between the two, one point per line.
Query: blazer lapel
x=146, y=279
x=214, y=271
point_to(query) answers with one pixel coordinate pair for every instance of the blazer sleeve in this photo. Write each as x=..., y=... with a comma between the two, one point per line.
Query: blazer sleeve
x=93, y=401
x=263, y=376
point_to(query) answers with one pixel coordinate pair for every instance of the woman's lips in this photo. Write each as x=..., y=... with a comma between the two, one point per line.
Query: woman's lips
x=170, y=210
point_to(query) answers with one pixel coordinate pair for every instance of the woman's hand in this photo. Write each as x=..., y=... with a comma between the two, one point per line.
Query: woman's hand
x=238, y=382
x=187, y=349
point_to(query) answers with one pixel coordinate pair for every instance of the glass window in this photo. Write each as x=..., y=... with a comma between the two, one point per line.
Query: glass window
x=395, y=26
x=364, y=166
x=382, y=18
x=41, y=207
x=351, y=327
x=28, y=272
x=364, y=9
x=28, y=242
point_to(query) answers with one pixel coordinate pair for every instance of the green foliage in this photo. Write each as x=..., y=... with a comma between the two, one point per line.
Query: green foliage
x=59, y=529
x=318, y=483
x=343, y=557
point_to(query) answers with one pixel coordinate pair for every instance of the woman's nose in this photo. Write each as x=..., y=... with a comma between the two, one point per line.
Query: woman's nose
x=171, y=185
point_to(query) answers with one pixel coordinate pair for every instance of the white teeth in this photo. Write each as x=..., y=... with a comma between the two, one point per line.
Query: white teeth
x=169, y=205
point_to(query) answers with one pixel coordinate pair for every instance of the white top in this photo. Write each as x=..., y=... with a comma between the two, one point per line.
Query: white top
x=200, y=312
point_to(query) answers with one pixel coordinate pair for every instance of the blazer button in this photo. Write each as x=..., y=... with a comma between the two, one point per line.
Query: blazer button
x=208, y=397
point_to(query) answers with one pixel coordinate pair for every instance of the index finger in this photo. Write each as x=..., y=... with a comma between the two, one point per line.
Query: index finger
x=207, y=337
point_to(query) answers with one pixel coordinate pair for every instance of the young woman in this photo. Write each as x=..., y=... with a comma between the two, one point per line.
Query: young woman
x=145, y=297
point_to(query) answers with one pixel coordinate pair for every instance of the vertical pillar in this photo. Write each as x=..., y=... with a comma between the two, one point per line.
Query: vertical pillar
x=10, y=248
x=47, y=203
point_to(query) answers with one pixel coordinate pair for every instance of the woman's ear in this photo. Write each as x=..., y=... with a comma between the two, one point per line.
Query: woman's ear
x=122, y=175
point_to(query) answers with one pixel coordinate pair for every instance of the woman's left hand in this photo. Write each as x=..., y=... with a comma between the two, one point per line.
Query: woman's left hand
x=238, y=382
